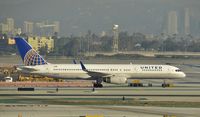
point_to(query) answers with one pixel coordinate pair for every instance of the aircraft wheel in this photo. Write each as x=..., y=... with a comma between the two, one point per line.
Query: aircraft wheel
x=165, y=85
x=150, y=85
x=98, y=85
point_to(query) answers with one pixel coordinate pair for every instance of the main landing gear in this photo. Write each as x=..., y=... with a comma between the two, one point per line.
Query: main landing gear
x=98, y=83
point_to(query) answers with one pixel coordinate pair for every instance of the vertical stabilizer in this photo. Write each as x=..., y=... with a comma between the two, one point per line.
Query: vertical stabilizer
x=29, y=56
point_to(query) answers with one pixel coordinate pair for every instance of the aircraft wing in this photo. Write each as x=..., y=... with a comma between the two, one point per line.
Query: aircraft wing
x=97, y=74
x=93, y=73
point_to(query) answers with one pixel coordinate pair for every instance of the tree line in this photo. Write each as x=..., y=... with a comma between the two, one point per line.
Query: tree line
x=91, y=42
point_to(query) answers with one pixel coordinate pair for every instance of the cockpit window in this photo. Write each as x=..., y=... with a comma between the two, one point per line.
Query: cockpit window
x=178, y=70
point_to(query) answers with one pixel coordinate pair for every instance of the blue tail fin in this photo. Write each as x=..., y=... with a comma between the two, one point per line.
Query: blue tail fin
x=29, y=56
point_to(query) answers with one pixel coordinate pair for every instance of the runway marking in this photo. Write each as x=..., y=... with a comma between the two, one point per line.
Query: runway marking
x=96, y=95
x=143, y=111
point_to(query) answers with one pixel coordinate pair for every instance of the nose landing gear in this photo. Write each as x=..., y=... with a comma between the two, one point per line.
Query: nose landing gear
x=167, y=84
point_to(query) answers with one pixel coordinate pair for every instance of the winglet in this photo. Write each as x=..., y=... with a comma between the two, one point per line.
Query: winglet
x=83, y=66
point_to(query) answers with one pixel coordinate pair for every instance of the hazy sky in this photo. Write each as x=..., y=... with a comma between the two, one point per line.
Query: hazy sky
x=75, y=16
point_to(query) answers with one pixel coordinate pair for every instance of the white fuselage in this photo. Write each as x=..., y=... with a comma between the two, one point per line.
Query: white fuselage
x=73, y=71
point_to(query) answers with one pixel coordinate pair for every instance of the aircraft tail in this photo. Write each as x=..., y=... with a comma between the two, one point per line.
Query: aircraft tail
x=29, y=56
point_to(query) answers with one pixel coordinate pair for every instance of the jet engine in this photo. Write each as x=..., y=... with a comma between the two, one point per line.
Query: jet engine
x=115, y=80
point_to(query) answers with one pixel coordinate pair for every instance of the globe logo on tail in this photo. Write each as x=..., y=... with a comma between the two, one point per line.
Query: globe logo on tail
x=33, y=58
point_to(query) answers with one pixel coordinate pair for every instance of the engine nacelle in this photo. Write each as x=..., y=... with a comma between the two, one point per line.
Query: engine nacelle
x=115, y=80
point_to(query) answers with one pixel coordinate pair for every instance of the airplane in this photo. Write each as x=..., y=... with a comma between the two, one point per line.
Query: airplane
x=109, y=73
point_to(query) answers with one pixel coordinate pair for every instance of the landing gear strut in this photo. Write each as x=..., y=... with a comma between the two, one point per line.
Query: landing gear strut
x=98, y=83
x=167, y=84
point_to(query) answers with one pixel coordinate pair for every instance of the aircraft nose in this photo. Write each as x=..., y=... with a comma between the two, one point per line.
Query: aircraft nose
x=183, y=74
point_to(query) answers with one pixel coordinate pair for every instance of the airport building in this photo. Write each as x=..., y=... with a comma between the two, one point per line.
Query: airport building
x=3, y=28
x=10, y=23
x=11, y=41
x=115, y=38
x=38, y=42
x=187, y=21
x=44, y=28
x=28, y=27
x=56, y=27
x=172, y=23
x=9, y=27
x=47, y=29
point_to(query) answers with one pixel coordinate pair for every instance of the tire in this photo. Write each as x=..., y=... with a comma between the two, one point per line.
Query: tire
x=97, y=85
